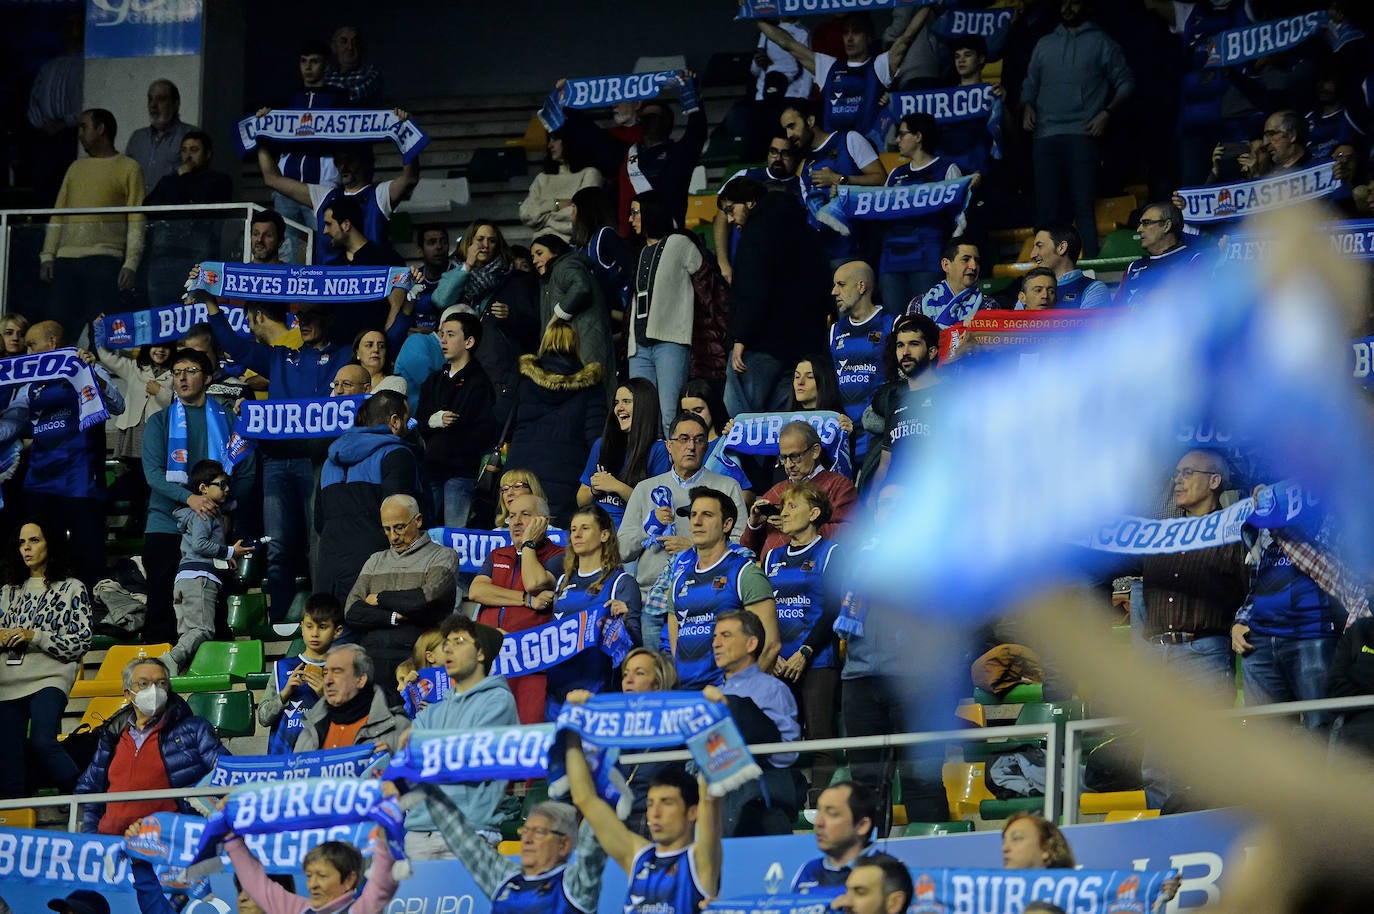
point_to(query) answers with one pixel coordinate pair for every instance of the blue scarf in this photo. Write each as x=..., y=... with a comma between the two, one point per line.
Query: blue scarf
x=534, y=650
x=170, y=841
x=291, y=806
x=661, y=497
x=1263, y=39
x=348, y=762
x=288, y=282
x=216, y=439
x=286, y=420
x=756, y=434
x=473, y=546
x=163, y=324
x=430, y=687
x=59, y=365
x=1283, y=504
x=850, y=622
x=652, y=719
x=1364, y=353
x=1339, y=34
x=992, y=26
x=1005, y=891
x=1224, y=202
x=603, y=91
x=908, y=201
x=291, y=125
x=1354, y=239
x=59, y=858
x=943, y=306
x=771, y=9
x=947, y=106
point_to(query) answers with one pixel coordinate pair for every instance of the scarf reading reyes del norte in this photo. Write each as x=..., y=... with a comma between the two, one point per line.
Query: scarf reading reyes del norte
x=292, y=282
x=473, y=546
x=291, y=125
x=542, y=647
x=1224, y=202
x=604, y=91
x=756, y=434
x=770, y=9
x=347, y=762
x=1263, y=39
x=163, y=324
x=947, y=891
x=59, y=365
x=648, y=720
x=1353, y=239
x=1280, y=505
x=289, y=806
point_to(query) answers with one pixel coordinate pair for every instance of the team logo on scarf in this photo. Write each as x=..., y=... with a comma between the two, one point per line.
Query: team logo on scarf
x=289, y=125
x=290, y=282
x=1223, y=202
x=59, y=365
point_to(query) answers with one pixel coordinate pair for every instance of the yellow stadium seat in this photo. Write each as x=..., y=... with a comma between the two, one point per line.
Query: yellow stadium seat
x=108, y=680
x=1131, y=815
x=1091, y=804
x=891, y=160
x=1112, y=213
x=508, y=848
x=701, y=210
x=535, y=137
x=101, y=709
x=965, y=787
x=18, y=818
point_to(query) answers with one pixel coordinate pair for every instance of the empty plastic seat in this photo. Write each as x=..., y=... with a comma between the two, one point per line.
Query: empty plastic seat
x=100, y=710
x=18, y=818
x=1111, y=213
x=247, y=614
x=701, y=210
x=230, y=713
x=965, y=787
x=1002, y=809
x=236, y=658
x=109, y=679
x=1090, y=804
x=927, y=829
x=535, y=137
x=1131, y=815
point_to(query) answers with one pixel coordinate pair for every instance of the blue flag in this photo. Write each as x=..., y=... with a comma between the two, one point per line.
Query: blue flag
x=290, y=282
x=1263, y=39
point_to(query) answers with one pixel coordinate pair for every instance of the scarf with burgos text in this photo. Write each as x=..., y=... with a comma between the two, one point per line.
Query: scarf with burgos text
x=63, y=365
x=1263, y=39
x=650, y=720
x=603, y=91
x=534, y=650
x=313, y=125
x=289, y=282
x=771, y=9
x=164, y=324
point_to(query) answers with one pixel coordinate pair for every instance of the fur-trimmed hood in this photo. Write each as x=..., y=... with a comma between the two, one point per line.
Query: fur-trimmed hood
x=560, y=373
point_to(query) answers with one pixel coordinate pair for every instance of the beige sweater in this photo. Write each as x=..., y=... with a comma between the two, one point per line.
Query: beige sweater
x=106, y=181
x=59, y=614
x=546, y=208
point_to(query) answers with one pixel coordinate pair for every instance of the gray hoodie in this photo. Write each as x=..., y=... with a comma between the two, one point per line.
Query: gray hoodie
x=202, y=541
x=1072, y=75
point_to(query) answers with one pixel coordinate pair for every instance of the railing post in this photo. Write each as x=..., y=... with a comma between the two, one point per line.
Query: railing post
x=1072, y=750
x=253, y=208
x=4, y=262
x=1053, y=760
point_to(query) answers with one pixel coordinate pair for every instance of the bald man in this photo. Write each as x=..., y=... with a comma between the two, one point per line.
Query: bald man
x=65, y=484
x=856, y=344
x=351, y=381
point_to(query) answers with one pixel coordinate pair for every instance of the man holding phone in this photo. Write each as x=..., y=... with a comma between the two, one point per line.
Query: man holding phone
x=799, y=456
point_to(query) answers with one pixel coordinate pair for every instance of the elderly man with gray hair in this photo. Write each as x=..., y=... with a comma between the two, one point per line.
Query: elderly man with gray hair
x=355, y=710
x=403, y=590
x=800, y=456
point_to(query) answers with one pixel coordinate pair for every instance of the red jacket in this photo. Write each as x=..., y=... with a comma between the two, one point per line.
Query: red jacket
x=842, y=496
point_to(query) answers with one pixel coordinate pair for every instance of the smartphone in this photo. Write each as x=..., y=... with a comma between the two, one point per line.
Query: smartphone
x=14, y=658
x=768, y=509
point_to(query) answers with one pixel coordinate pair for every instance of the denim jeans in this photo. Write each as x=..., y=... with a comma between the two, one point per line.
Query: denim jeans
x=1066, y=171
x=764, y=388
x=1207, y=663
x=1287, y=669
x=296, y=212
x=651, y=629
x=453, y=500
x=288, y=510
x=666, y=366
x=40, y=714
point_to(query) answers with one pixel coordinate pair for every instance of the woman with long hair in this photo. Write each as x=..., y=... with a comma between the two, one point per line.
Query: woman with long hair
x=593, y=576
x=371, y=352
x=548, y=205
x=594, y=234
x=809, y=660
x=663, y=301
x=569, y=293
x=814, y=386
x=560, y=407
x=45, y=630
x=630, y=450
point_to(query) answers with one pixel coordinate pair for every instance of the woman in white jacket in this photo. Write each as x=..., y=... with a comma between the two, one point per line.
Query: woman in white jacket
x=548, y=208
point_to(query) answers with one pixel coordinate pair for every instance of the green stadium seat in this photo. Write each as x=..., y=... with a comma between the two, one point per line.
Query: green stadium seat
x=247, y=615
x=236, y=658
x=1001, y=809
x=230, y=713
x=187, y=684
x=927, y=829
x=256, y=682
x=1120, y=243
x=296, y=611
x=1043, y=712
x=1019, y=694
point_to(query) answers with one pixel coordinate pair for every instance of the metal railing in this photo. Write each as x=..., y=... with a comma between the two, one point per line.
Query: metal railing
x=10, y=218
x=1063, y=752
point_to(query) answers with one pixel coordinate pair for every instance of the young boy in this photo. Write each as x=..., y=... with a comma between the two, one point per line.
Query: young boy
x=298, y=681
x=456, y=419
x=196, y=588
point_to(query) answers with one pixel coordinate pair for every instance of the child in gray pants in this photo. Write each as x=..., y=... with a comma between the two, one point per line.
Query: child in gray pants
x=197, y=584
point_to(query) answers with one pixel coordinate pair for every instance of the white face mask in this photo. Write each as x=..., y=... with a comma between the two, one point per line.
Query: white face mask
x=151, y=700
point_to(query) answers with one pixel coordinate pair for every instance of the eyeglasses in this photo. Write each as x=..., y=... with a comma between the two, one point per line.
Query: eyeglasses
x=538, y=833
x=219, y=483
x=185, y=372
x=1187, y=473
x=399, y=528
x=139, y=685
x=905, y=132
x=510, y=486
x=689, y=439
x=778, y=153
x=1151, y=221
x=784, y=459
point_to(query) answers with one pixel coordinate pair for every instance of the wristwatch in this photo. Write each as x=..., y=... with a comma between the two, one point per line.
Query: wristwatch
x=529, y=544
x=806, y=651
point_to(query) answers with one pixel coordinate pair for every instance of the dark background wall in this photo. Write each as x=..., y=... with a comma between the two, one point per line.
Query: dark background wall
x=429, y=48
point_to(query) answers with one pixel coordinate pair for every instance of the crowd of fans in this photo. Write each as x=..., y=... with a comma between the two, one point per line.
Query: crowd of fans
x=607, y=360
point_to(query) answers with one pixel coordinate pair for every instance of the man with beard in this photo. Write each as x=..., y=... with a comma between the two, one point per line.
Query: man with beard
x=157, y=147
x=377, y=201
x=343, y=224
x=957, y=297
x=267, y=229
x=779, y=174
x=907, y=403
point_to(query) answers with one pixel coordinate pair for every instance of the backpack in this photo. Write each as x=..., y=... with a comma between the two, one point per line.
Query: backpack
x=709, y=325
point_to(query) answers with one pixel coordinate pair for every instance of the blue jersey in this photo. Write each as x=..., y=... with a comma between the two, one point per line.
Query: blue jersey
x=658, y=463
x=798, y=579
x=850, y=92
x=815, y=878
x=664, y=883
x=835, y=154
x=857, y=351
x=1327, y=131
x=914, y=244
x=1149, y=275
x=1076, y=290
x=591, y=669
x=375, y=202
x=698, y=596
x=541, y=894
x=63, y=459
x=282, y=739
